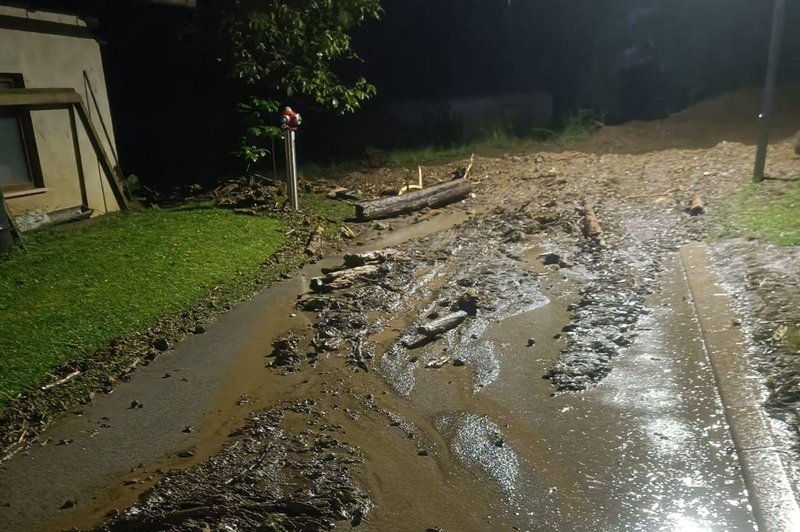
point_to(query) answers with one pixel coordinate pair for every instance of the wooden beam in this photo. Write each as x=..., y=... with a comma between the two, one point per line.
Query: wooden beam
x=38, y=97
x=76, y=145
x=113, y=178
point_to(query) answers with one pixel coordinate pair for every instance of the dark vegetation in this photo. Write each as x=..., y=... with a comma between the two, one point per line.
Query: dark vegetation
x=625, y=59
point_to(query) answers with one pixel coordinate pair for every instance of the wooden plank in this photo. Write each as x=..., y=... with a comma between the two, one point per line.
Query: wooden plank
x=113, y=178
x=76, y=145
x=38, y=97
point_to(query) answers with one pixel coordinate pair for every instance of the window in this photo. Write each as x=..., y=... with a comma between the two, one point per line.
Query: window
x=19, y=161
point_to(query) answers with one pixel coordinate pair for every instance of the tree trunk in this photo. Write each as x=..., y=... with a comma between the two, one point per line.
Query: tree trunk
x=435, y=196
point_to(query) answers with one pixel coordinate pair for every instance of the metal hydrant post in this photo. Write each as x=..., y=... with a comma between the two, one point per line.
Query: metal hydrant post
x=290, y=122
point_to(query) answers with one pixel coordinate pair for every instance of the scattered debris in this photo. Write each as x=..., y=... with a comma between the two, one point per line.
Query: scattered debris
x=61, y=381
x=253, y=483
x=409, y=187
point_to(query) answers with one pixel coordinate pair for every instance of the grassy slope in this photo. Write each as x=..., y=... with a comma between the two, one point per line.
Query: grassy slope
x=772, y=216
x=72, y=291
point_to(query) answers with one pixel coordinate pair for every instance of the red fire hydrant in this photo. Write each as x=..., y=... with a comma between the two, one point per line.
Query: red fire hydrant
x=290, y=120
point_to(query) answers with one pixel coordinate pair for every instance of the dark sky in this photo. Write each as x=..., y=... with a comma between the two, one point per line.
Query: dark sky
x=628, y=59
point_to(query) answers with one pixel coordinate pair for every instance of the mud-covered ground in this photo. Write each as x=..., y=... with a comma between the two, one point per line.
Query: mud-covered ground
x=503, y=371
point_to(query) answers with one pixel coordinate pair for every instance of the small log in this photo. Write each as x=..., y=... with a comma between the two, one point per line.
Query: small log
x=61, y=381
x=352, y=260
x=340, y=279
x=698, y=205
x=435, y=196
x=428, y=332
x=591, y=226
x=315, y=241
x=441, y=325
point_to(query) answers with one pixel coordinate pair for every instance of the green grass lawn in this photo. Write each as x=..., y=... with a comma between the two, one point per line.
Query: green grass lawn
x=73, y=289
x=772, y=215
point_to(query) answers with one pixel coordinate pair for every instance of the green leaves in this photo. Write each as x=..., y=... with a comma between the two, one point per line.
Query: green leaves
x=283, y=50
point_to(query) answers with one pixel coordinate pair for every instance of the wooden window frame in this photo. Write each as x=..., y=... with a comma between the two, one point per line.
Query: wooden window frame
x=28, y=140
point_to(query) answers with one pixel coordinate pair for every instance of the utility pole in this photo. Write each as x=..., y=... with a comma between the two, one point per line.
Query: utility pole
x=778, y=22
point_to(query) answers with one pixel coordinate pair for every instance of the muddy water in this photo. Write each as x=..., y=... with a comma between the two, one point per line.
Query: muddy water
x=192, y=398
x=481, y=445
x=647, y=450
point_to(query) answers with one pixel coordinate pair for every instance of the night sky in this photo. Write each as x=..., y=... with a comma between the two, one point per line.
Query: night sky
x=627, y=59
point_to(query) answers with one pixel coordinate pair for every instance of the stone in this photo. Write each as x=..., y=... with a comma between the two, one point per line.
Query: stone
x=161, y=344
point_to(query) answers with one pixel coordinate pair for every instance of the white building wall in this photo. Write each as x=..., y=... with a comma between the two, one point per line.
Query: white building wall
x=57, y=61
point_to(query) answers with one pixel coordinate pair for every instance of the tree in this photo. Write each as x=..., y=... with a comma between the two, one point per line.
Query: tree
x=283, y=50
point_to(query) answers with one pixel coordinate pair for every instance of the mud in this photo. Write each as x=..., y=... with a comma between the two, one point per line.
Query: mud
x=287, y=470
x=409, y=395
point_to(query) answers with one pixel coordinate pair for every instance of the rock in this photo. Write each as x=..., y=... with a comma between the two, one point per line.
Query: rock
x=380, y=226
x=423, y=452
x=551, y=258
x=185, y=454
x=531, y=342
x=458, y=362
x=161, y=344
x=469, y=302
x=69, y=503
x=198, y=329
x=797, y=143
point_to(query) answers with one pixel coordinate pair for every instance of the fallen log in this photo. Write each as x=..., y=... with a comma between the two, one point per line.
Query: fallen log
x=352, y=260
x=697, y=205
x=591, y=226
x=441, y=325
x=315, y=241
x=435, y=196
x=340, y=279
x=428, y=332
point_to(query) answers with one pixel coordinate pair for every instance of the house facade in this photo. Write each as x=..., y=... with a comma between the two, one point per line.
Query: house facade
x=48, y=164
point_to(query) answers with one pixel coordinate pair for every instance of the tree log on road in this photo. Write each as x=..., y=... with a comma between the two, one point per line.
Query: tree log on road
x=435, y=196
x=591, y=226
x=698, y=205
